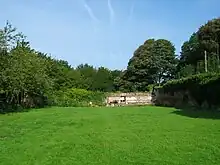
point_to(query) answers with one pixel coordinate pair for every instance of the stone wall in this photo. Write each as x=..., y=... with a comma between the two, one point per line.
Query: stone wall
x=129, y=99
x=174, y=99
x=157, y=97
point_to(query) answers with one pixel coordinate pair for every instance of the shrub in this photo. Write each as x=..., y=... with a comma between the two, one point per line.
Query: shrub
x=150, y=87
x=77, y=98
x=202, y=88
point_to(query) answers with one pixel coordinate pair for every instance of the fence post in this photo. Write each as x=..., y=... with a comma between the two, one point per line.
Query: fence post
x=206, y=67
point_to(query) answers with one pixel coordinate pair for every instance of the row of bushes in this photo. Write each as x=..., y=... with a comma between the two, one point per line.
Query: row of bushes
x=70, y=97
x=77, y=98
x=202, y=88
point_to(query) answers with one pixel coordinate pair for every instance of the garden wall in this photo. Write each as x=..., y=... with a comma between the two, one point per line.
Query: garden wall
x=201, y=90
x=129, y=99
x=173, y=99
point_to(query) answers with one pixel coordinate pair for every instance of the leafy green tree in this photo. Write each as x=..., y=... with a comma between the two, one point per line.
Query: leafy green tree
x=24, y=80
x=191, y=51
x=165, y=60
x=9, y=37
x=29, y=78
x=209, y=35
x=103, y=80
x=207, y=38
x=88, y=74
x=153, y=62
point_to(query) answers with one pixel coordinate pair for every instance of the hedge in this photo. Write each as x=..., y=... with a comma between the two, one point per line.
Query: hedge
x=77, y=98
x=201, y=87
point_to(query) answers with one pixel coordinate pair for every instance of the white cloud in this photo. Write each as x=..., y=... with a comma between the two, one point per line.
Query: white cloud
x=131, y=12
x=90, y=12
x=111, y=11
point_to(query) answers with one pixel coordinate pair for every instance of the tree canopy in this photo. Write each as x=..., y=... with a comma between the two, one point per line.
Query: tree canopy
x=30, y=78
x=153, y=62
x=207, y=38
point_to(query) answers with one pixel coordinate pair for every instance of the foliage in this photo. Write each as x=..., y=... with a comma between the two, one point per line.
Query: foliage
x=9, y=37
x=207, y=38
x=24, y=82
x=110, y=136
x=153, y=62
x=191, y=51
x=184, y=71
x=30, y=78
x=202, y=88
x=101, y=79
x=73, y=97
x=150, y=87
x=209, y=35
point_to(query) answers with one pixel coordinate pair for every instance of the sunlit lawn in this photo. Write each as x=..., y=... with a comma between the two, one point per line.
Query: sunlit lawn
x=116, y=136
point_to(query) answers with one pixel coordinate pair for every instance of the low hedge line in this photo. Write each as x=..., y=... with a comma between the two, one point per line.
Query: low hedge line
x=77, y=98
x=64, y=98
x=202, y=88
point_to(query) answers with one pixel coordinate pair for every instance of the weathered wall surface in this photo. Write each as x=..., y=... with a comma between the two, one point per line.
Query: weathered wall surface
x=129, y=98
x=157, y=97
x=175, y=99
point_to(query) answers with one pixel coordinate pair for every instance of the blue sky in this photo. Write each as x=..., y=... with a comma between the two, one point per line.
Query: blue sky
x=104, y=32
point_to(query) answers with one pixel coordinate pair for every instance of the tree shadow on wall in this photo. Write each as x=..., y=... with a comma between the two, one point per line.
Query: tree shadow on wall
x=198, y=113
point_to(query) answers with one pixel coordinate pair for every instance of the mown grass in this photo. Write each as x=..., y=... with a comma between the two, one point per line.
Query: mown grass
x=116, y=136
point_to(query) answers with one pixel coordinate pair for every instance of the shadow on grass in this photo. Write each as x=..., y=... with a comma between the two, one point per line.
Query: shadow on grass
x=14, y=111
x=197, y=113
x=20, y=110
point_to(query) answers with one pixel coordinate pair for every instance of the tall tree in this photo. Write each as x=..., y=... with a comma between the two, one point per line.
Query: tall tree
x=209, y=35
x=9, y=37
x=191, y=53
x=88, y=74
x=103, y=80
x=166, y=61
x=153, y=62
x=29, y=78
x=207, y=38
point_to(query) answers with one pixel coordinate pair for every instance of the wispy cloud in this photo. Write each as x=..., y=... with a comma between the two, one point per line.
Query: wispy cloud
x=131, y=12
x=90, y=12
x=94, y=19
x=111, y=11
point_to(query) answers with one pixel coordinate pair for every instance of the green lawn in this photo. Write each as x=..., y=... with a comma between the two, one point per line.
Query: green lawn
x=116, y=136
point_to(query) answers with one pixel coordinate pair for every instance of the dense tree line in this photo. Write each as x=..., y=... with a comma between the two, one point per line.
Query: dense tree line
x=155, y=61
x=30, y=78
x=152, y=63
x=206, y=39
